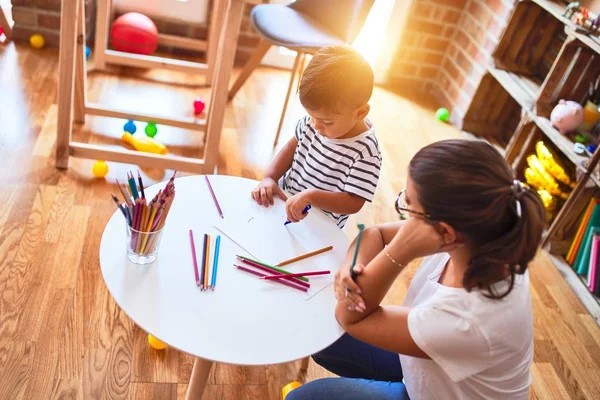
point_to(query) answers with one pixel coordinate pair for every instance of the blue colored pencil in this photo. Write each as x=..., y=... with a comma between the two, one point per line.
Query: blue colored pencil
x=213, y=280
x=308, y=207
x=132, y=185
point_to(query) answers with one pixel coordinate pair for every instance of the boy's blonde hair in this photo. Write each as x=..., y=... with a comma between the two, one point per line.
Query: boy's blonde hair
x=337, y=78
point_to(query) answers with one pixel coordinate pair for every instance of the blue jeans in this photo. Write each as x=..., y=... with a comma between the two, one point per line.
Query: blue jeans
x=367, y=372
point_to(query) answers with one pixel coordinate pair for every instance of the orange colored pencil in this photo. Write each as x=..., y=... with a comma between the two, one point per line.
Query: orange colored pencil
x=303, y=256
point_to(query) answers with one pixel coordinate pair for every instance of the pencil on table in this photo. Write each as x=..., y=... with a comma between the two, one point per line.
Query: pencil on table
x=283, y=282
x=304, y=256
x=213, y=281
x=212, y=193
x=195, y=260
x=203, y=263
x=297, y=281
x=272, y=268
x=207, y=261
x=295, y=275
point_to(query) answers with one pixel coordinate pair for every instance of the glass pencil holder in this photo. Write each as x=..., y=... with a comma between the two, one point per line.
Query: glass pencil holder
x=142, y=247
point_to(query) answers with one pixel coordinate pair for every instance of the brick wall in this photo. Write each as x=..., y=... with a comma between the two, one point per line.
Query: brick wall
x=446, y=47
x=43, y=16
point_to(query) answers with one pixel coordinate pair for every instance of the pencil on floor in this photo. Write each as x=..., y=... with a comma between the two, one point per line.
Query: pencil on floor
x=304, y=256
x=213, y=281
x=281, y=281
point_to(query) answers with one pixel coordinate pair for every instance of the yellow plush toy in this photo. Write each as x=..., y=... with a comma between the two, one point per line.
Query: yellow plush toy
x=551, y=164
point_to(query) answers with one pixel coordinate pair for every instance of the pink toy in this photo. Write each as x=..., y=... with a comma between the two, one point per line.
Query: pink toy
x=199, y=105
x=567, y=116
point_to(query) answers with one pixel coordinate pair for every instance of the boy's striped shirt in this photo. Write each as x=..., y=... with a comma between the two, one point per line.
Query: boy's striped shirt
x=335, y=165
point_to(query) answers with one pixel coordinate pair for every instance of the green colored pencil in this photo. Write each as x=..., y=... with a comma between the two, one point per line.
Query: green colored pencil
x=283, y=271
x=361, y=228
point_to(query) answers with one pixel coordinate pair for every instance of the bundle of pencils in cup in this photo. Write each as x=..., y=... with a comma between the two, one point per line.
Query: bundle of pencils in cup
x=144, y=217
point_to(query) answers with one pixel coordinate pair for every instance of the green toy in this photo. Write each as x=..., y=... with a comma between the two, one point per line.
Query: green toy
x=442, y=114
x=151, y=129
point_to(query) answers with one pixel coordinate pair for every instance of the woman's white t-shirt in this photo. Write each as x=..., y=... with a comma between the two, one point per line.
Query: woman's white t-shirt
x=480, y=348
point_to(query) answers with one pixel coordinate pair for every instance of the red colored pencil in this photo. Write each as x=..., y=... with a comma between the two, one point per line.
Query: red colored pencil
x=194, y=258
x=279, y=276
x=272, y=272
x=260, y=274
x=213, y=196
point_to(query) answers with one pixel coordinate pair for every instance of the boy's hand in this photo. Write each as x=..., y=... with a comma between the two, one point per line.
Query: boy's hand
x=263, y=194
x=295, y=205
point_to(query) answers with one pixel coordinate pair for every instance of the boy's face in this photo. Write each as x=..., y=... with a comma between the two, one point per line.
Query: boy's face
x=334, y=125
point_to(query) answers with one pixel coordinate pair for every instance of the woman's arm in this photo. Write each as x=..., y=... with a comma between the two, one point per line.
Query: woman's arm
x=386, y=327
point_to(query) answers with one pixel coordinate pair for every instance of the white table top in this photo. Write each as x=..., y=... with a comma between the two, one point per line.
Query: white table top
x=245, y=321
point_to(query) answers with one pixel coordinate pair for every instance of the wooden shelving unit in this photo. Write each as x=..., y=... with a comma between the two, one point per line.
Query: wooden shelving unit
x=540, y=59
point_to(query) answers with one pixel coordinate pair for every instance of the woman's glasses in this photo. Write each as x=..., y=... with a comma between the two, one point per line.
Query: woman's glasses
x=403, y=210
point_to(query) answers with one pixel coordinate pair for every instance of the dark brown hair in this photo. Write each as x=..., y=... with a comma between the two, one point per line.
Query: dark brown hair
x=468, y=185
x=336, y=78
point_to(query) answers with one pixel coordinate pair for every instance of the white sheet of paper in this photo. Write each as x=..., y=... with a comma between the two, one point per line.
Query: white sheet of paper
x=262, y=234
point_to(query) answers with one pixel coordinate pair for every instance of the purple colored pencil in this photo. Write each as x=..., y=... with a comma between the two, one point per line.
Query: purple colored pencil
x=213, y=196
x=260, y=274
x=273, y=272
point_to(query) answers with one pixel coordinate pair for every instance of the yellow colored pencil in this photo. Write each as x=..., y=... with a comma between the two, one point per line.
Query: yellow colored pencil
x=148, y=226
x=206, y=262
x=143, y=221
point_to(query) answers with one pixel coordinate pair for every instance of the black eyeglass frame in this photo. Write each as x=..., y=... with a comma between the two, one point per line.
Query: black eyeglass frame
x=401, y=210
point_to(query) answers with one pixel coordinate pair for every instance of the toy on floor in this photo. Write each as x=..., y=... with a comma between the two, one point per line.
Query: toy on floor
x=442, y=114
x=37, y=41
x=155, y=343
x=145, y=144
x=130, y=127
x=199, y=105
x=567, y=116
x=151, y=129
x=88, y=52
x=100, y=169
x=134, y=33
x=288, y=388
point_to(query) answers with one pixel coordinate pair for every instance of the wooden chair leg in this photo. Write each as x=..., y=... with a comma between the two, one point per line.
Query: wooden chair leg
x=215, y=27
x=301, y=71
x=251, y=64
x=304, y=363
x=287, y=96
x=66, y=78
x=5, y=25
x=80, y=73
x=218, y=99
x=103, y=12
x=198, y=379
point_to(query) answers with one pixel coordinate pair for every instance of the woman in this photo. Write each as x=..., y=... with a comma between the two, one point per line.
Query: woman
x=465, y=330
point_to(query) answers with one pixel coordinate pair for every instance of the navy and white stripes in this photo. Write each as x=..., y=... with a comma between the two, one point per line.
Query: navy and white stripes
x=335, y=165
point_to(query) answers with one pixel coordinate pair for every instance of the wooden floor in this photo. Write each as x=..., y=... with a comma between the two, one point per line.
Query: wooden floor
x=61, y=334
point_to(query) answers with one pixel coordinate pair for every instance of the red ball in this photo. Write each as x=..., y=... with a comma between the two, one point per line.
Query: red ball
x=199, y=105
x=134, y=33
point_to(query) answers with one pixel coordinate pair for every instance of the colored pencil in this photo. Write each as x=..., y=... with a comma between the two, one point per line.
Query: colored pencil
x=306, y=209
x=295, y=275
x=194, y=258
x=361, y=228
x=206, y=262
x=260, y=274
x=302, y=257
x=132, y=186
x=125, y=196
x=272, y=268
x=212, y=193
x=203, y=263
x=116, y=200
x=141, y=185
x=297, y=281
x=213, y=281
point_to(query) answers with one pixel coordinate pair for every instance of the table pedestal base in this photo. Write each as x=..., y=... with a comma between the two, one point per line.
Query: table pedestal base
x=304, y=363
x=200, y=373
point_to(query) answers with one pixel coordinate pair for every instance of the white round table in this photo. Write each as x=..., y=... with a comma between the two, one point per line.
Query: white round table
x=244, y=321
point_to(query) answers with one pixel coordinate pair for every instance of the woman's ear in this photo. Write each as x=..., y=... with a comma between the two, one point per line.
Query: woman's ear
x=448, y=233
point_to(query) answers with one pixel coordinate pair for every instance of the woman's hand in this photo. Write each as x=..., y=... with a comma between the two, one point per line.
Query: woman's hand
x=346, y=290
x=420, y=238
